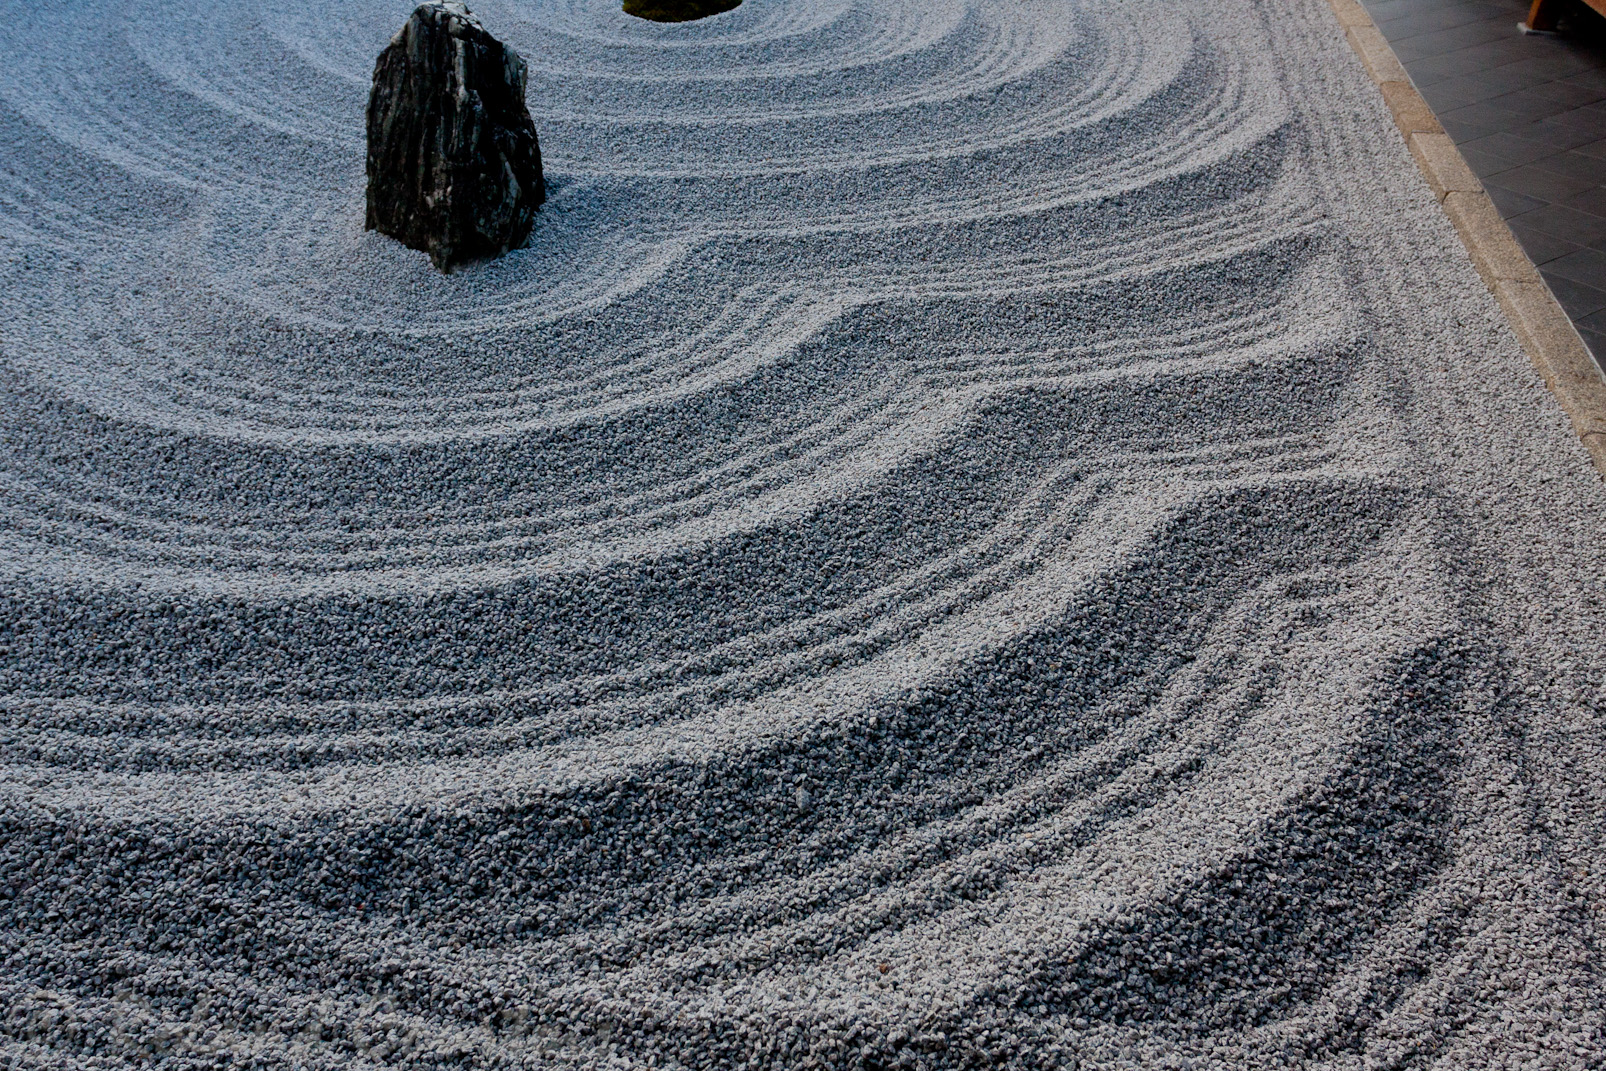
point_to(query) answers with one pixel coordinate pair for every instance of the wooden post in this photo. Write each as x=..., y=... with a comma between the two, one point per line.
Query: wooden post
x=1542, y=16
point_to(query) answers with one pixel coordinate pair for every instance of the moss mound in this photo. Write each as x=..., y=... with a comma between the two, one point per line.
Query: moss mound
x=677, y=10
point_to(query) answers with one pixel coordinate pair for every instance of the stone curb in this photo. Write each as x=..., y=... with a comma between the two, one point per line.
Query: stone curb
x=1546, y=332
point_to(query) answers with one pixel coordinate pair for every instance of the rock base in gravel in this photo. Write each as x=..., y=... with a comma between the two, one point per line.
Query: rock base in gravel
x=454, y=166
x=677, y=10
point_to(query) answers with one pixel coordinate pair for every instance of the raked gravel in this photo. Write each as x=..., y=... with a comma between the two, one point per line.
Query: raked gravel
x=999, y=533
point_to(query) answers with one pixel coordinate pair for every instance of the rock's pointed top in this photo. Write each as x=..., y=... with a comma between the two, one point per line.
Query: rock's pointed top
x=437, y=12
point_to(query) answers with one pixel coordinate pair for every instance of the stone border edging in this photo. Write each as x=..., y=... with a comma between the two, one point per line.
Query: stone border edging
x=1543, y=328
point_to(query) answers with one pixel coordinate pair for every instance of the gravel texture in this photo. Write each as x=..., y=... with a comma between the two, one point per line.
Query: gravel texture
x=978, y=534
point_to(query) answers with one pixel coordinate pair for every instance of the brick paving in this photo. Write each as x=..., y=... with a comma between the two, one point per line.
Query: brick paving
x=1529, y=114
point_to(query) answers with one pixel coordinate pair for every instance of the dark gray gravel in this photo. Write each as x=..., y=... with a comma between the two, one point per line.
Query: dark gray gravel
x=978, y=534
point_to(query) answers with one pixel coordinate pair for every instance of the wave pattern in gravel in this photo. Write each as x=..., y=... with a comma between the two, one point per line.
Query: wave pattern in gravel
x=957, y=545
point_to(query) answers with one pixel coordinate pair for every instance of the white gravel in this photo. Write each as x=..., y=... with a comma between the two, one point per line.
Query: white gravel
x=979, y=534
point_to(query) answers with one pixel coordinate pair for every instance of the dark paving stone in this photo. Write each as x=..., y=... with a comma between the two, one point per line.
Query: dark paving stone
x=1533, y=180
x=1511, y=48
x=1553, y=133
x=1576, y=164
x=1463, y=130
x=1440, y=42
x=1588, y=79
x=1481, y=114
x=1390, y=9
x=1484, y=85
x=1433, y=71
x=1597, y=345
x=1484, y=164
x=1553, y=65
x=1530, y=104
x=1593, y=201
x=1427, y=22
x=1577, y=298
x=1529, y=114
x=1510, y=202
x=1582, y=227
x=1541, y=247
x=1444, y=97
x=1590, y=120
x=1575, y=95
x=1587, y=266
x=1510, y=147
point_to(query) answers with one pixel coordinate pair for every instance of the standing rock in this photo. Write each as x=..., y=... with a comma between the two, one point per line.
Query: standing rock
x=677, y=10
x=454, y=167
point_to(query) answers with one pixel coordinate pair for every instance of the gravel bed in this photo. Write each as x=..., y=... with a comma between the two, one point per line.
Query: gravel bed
x=978, y=534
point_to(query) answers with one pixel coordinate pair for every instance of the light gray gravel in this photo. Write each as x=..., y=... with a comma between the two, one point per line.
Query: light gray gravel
x=980, y=534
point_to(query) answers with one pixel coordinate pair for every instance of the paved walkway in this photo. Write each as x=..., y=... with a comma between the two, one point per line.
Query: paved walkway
x=1529, y=113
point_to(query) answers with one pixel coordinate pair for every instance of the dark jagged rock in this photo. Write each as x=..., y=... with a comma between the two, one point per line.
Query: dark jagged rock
x=677, y=10
x=454, y=167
